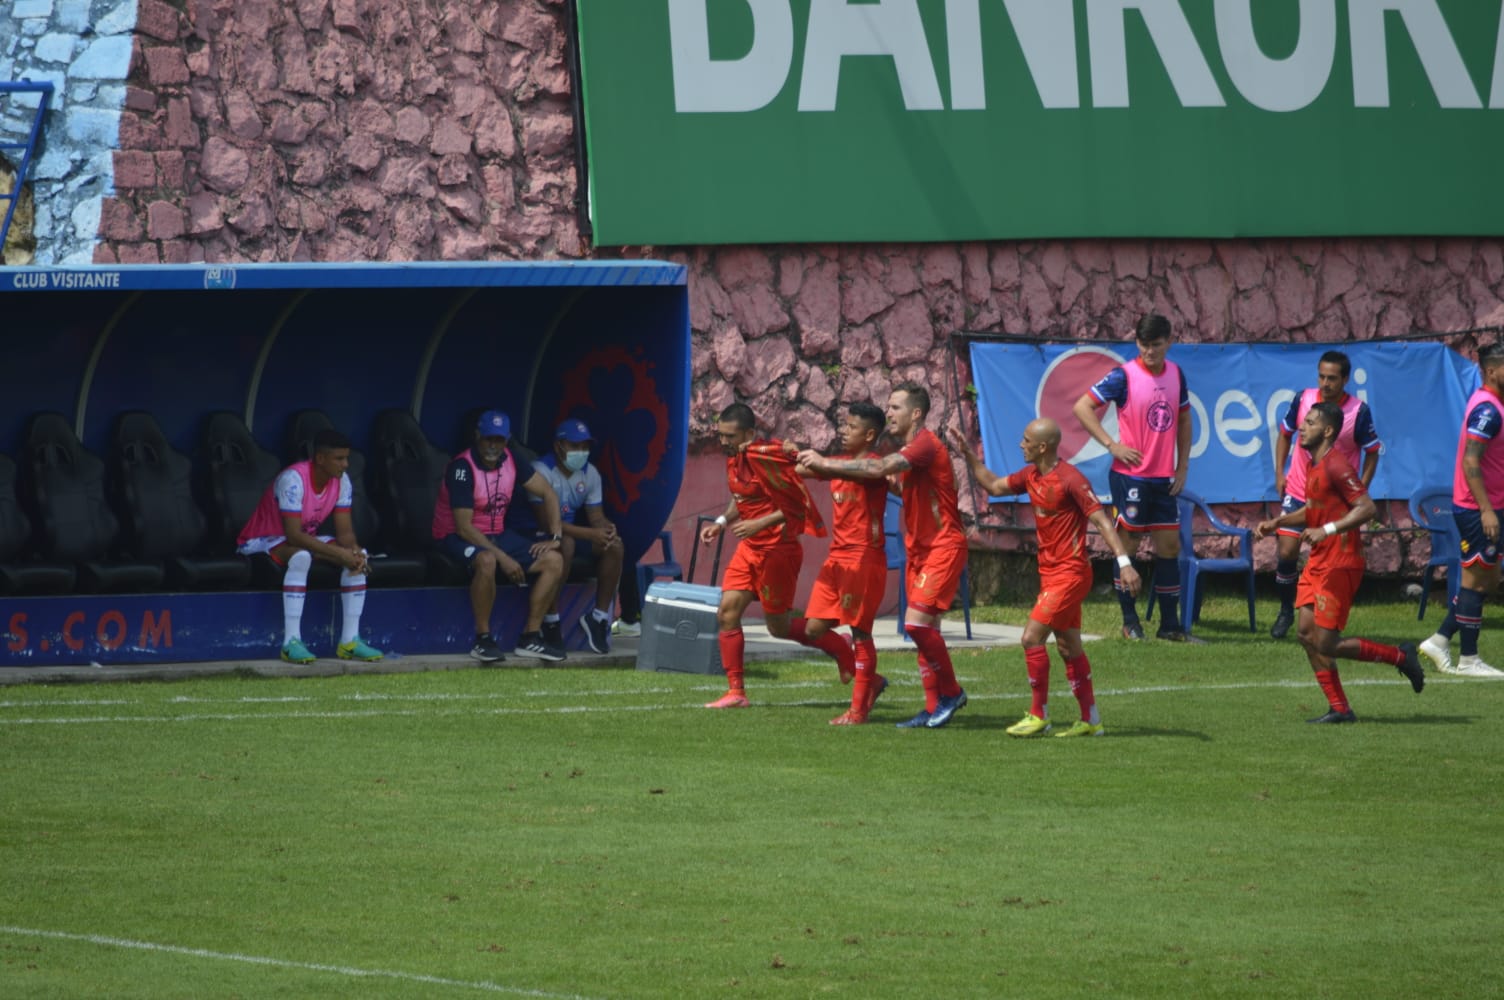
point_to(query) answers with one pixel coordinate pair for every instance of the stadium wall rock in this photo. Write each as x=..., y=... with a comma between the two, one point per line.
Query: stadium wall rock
x=321, y=130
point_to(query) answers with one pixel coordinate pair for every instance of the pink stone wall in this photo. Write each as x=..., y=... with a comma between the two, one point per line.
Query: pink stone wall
x=351, y=130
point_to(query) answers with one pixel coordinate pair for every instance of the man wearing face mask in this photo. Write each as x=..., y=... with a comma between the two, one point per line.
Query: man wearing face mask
x=578, y=486
x=470, y=521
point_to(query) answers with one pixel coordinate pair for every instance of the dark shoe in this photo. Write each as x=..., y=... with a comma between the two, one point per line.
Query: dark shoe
x=597, y=633
x=1134, y=632
x=486, y=651
x=1411, y=668
x=553, y=634
x=1334, y=716
x=1282, y=623
x=531, y=644
x=917, y=722
x=1175, y=635
x=947, y=708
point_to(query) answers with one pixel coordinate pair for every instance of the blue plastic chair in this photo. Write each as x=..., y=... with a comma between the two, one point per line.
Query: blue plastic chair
x=898, y=559
x=669, y=567
x=1191, y=567
x=1431, y=508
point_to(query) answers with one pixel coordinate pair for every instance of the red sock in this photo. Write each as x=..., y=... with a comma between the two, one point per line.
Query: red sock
x=932, y=646
x=832, y=644
x=865, y=662
x=1037, y=660
x=733, y=648
x=1332, y=685
x=930, y=682
x=1377, y=652
x=1078, y=672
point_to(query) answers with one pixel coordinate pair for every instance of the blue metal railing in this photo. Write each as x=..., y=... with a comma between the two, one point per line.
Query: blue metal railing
x=27, y=147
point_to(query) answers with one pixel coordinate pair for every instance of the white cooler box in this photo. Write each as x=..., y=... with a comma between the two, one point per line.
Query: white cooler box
x=679, y=630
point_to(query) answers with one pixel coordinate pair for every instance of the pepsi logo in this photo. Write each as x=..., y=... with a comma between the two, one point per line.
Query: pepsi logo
x=1063, y=382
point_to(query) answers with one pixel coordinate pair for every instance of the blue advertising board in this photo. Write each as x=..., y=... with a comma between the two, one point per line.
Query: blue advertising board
x=1239, y=393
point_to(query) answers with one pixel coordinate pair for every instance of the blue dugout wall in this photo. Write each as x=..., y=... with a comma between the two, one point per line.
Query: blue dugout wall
x=604, y=341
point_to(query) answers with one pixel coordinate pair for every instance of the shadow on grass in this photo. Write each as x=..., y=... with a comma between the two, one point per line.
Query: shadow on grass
x=1417, y=720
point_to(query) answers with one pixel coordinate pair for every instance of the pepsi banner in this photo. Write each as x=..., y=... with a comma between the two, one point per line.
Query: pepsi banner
x=1239, y=393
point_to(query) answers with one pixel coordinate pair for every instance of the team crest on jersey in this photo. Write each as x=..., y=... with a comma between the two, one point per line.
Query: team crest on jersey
x=1160, y=416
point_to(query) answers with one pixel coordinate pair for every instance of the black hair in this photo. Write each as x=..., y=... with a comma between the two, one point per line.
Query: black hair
x=329, y=439
x=918, y=395
x=1491, y=356
x=868, y=414
x=1330, y=414
x=1153, y=327
x=739, y=414
x=1340, y=360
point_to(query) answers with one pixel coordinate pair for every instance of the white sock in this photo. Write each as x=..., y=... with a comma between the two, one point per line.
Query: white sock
x=551, y=619
x=294, y=594
x=352, y=601
x=600, y=615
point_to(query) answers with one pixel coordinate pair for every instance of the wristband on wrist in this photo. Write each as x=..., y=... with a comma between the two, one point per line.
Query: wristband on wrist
x=1124, y=561
x=1330, y=528
x=721, y=520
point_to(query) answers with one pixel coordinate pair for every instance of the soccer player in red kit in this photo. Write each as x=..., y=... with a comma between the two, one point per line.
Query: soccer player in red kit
x=1063, y=504
x=850, y=586
x=1337, y=506
x=933, y=540
x=769, y=510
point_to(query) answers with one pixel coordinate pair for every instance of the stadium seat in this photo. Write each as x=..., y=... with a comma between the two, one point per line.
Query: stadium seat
x=163, y=522
x=1431, y=508
x=392, y=565
x=20, y=571
x=898, y=559
x=408, y=472
x=1192, y=567
x=73, y=515
x=668, y=568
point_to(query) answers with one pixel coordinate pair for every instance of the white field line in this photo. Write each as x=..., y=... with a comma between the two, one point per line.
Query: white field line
x=279, y=963
x=371, y=713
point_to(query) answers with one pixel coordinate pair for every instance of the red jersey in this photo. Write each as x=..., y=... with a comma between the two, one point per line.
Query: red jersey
x=1063, y=501
x=857, y=507
x=762, y=481
x=1333, y=489
x=930, y=514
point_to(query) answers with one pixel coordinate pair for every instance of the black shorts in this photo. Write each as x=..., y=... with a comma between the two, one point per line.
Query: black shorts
x=519, y=547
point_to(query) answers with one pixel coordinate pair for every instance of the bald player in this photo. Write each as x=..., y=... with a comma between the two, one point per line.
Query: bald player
x=1063, y=504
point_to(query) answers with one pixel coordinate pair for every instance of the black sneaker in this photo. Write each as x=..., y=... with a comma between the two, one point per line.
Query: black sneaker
x=597, y=633
x=1333, y=715
x=1411, y=668
x=1175, y=635
x=1282, y=623
x=1134, y=631
x=531, y=644
x=486, y=651
x=553, y=634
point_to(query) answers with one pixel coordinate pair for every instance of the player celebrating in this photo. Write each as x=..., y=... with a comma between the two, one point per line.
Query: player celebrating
x=1477, y=495
x=1337, y=505
x=1063, y=503
x=769, y=510
x=1149, y=464
x=1357, y=436
x=850, y=586
x=933, y=540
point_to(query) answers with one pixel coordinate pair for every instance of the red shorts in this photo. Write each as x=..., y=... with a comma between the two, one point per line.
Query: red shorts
x=849, y=591
x=933, y=578
x=770, y=573
x=1329, y=592
x=1059, y=601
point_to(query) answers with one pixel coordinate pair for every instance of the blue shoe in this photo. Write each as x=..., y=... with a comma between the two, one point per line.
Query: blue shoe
x=946, y=709
x=295, y=652
x=917, y=722
x=356, y=649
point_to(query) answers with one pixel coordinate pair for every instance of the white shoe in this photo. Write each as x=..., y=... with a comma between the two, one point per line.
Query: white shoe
x=1473, y=666
x=1437, y=650
x=620, y=627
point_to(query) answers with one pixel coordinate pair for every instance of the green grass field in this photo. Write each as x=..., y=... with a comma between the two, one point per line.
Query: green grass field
x=593, y=833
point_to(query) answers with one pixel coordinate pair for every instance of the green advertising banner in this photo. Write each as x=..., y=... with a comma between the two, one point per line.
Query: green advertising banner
x=754, y=121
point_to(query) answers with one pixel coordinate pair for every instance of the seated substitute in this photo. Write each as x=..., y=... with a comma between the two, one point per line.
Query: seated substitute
x=470, y=523
x=577, y=483
x=302, y=497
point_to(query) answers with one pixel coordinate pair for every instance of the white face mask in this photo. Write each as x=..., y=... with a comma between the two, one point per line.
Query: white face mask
x=574, y=461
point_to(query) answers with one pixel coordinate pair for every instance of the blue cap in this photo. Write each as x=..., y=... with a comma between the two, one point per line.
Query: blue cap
x=574, y=431
x=494, y=423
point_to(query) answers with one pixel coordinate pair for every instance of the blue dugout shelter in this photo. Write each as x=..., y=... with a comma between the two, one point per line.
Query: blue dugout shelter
x=604, y=341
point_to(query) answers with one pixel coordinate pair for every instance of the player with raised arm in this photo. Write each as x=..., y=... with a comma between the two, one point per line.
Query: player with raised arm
x=1063, y=505
x=934, y=543
x=1337, y=506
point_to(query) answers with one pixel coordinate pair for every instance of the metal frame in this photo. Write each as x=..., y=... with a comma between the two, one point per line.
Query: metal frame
x=27, y=148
